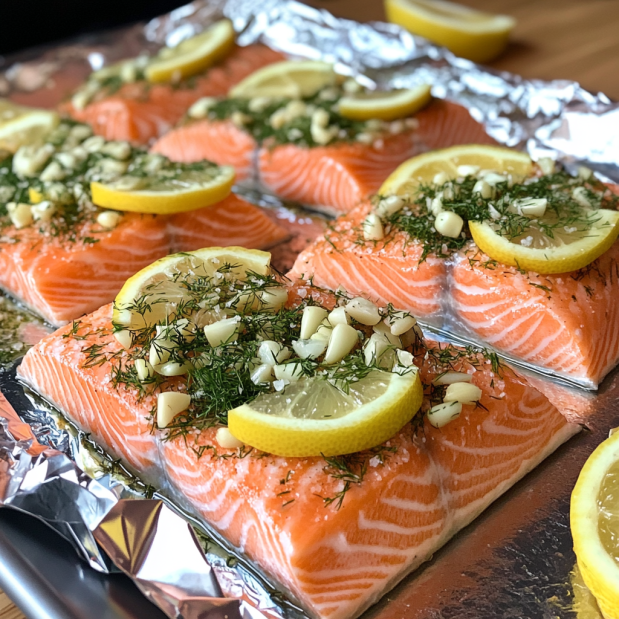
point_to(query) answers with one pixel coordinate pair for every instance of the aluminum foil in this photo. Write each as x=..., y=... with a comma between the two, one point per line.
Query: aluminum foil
x=42, y=463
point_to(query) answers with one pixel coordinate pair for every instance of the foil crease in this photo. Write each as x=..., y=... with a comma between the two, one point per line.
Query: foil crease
x=147, y=539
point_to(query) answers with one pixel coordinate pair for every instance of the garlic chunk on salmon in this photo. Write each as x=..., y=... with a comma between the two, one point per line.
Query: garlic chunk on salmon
x=324, y=331
x=401, y=323
x=373, y=228
x=272, y=353
x=43, y=211
x=462, y=392
x=273, y=298
x=338, y=316
x=109, y=219
x=389, y=206
x=309, y=349
x=363, y=311
x=227, y=440
x=343, y=340
x=124, y=338
x=449, y=224
x=311, y=319
x=452, y=377
x=144, y=369
x=290, y=372
x=441, y=414
x=170, y=404
x=20, y=214
x=262, y=374
x=223, y=331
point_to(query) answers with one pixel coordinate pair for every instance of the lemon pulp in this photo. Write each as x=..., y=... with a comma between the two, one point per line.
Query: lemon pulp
x=385, y=105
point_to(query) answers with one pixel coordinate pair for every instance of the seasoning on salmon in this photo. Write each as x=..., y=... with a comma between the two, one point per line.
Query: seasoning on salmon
x=562, y=323
x=336, y=533
x=305, y=150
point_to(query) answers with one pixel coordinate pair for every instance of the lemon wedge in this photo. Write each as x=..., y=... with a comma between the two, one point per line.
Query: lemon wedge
x=565, y=251
x=423, y=168
x=192, y=55
x=164, y=195
x=594, y=520
x=289, y=78
x=20, y=125
x=464, y=31
x=153, y=294
x=312, y=417
x=385, y=105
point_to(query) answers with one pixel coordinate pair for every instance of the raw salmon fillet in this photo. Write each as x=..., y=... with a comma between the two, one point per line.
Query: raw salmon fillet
x=62, y=280
x=418, y=490
x=334, y=178
x=567, y=324
x=141, y=111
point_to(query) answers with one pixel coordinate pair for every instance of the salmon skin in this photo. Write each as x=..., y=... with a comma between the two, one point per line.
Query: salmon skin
x=62, y=278
x=333, y=178
x=566, y=325
x=140, y=112
x=335, y=547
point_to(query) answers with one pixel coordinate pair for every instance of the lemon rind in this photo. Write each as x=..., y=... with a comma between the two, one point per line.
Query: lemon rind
x=411, y=101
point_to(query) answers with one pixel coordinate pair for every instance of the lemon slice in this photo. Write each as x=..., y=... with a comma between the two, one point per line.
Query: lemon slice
x=594, y=520
x=290, y=79
x=153, y=294
x=20, y=125
x=423, y=168
x=163, y=195
x=312, y=417
x=385, y=105
x=466, y=32
x=570, y=248
x=192, y=55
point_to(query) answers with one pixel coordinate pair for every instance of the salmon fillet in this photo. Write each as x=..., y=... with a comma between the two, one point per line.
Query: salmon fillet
x=334, y=178
x=567, y=323
x=335, y=557
x=60, y=279
x=140, y=112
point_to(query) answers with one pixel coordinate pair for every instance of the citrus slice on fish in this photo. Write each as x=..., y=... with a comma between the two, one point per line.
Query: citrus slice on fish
x=185, y=187
x=568, y=249
x=287, y=79
x=313, y=417
x=466, y=32
x=594, y=520
x=20, y=125
x=407, y=178
x=154, y=293
x=192, y=55
x=388, y=105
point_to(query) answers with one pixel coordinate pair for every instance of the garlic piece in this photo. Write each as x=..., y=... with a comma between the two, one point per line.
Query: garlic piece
x=66, y=160
x=374, y=351
x=320, y=118
x=580, y=195
x=124, y=338
x=227, y=440
x=20, y=214
x=401, y=322
x=493, y=179
x=441, y=414
x=449, y=224
x=324, y=331
x=201, y=107
x=405, y=359
x=585, y=173
x=94, y=144
x=338, y=316
x=546, y=165
x=382, y=328
x=160, y=350
x=28, y=160
x=389, y=206
x=80, y=132
x=449, y=378
x=467, y=170
x=172, y=368
x=343, y=340
x=262, y=374
x=259, y=104
x=109, y=219
x=43, y=211
x=223, y=331
x=311, y=319
x=273, y=298
x=53, y=172
x=483, y=188
x=373, y=228
x=170, y=404
x=290, y=372
x=529, y=207
x=272, y=353
x=118, y=150
x=144, y=369
x=462, y=392
x=436, y=206
x=309, y=349
x=239, y=119
x=363, y=311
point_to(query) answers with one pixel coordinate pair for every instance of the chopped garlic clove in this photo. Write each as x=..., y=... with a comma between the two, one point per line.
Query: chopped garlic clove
x=170, y=404
x=493, y=179
x=441, y=414
x=389, y=206
x=311, y=319
x=343, y=340
x=309, y=349
x=43, y=211
x=320, y=118
x=467, y=170
x=449, y=224
x=483, y=188
x=374, y=351
x=290, y=372
x=53, y=172
x=338, y=316
x=546, y=165
x=272, y=353
x=109, y=219
x=373, y=228
x=94, y=144
x=227, y=440
x=273, y=298
x=172, y=368
x=262, y=374
x=401, y=322
x=201, y=107
x=20, y=214
x=580, y=195
x=452, y=377
x=363, y=311
x=466, y=393
x=405, y=358
x=585, y=173
x=144, y=369
x=436, y=206
x=160, y=350
x=259, y=104
x=124, y=338
x=118, y=150
x=223, y=331
x=324, y=331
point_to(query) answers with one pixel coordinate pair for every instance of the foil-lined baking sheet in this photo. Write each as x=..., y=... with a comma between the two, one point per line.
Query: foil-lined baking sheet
x=516, y=559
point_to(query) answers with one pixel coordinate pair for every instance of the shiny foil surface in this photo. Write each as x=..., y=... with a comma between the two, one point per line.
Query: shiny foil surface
x=516, y=559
